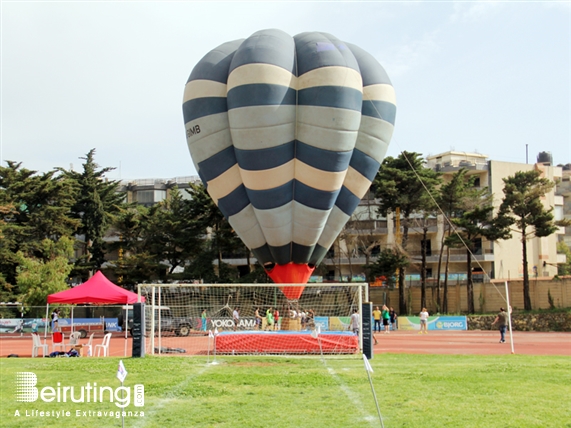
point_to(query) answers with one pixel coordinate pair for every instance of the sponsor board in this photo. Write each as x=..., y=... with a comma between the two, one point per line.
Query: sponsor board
x=434, y=323
x=27, y=325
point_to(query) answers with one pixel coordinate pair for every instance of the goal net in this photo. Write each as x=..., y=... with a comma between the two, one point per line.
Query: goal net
x=257, y=319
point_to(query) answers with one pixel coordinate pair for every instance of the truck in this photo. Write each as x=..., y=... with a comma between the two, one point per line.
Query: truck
x=181, y=326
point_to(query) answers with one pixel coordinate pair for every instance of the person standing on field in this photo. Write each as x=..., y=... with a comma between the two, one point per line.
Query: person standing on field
x=377, y=318
x=55, y=320
x=423, y=321
x=204, y=320
x=502, y=321
x=236, y=317
x=258, y=319
x=276, y=318
x=386, y=319
x=354, y=324
x=394, y=317
x=270, y=319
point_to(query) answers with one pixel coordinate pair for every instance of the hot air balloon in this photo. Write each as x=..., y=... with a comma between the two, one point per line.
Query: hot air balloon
x=287, y=135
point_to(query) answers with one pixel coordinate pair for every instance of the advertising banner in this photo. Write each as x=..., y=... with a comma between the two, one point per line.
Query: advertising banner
x=434, y=323
x=27, y=325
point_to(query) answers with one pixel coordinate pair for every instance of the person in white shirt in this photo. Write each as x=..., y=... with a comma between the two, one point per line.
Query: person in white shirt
x=236, y=318
x=423, y=321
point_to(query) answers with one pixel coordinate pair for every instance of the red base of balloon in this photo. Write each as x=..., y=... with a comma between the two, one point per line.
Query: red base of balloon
x=292, y=273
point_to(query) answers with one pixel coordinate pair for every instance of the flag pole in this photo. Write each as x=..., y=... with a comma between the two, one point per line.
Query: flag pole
x=210, y=336
x=315, y=334
x=214, y=340
x=369, y=370
x=509, y=316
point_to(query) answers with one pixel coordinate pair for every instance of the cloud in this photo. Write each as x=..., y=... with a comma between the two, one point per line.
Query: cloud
x=402, y=59
x=475, y=11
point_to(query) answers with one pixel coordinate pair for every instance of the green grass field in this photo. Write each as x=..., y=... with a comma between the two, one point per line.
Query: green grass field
x=412, y=391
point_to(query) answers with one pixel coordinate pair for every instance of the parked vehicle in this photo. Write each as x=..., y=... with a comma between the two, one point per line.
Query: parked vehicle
x=181, y=326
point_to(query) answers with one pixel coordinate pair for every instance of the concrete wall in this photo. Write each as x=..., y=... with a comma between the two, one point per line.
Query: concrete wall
x=488, y=297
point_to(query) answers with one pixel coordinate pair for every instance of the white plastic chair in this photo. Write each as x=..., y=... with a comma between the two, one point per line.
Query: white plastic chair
x=103, y=346
x=37, y=345
x=58, y=344
x=74, y=338
x=89, y=346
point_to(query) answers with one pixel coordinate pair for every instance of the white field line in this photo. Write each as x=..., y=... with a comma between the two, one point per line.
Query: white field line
x=357, y=403
x=170, y=396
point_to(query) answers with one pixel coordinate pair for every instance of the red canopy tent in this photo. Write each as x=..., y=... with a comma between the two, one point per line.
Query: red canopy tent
x=96, y=290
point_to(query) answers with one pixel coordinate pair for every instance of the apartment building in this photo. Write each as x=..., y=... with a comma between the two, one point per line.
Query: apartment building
x=149, y=191
x=499, y=259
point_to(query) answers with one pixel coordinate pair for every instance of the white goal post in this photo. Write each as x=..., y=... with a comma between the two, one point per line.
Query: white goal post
x=257, y=319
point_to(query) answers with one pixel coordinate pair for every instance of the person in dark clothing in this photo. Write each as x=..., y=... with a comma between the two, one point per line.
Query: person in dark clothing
x=502, y=322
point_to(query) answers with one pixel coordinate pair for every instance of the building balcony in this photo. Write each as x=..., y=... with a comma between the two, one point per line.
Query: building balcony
x=456, y=256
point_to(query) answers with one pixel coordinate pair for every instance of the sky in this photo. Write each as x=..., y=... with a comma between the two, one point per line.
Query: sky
x=488, y=77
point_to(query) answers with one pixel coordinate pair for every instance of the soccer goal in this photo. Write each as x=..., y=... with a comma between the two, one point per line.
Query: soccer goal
x=255, y=319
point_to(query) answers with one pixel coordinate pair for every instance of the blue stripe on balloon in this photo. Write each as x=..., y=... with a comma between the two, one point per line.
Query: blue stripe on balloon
x=216, y=63
x=271, y=198
x=313, y=198
x=217, y=163
x=266, y=47
x=318, y=254
x=380, y=109
x=372, y=72
x=331, y=96
x=315, y=50
x=263, y=254
x=282, y=254
x=364, y=164
x=234, y=202
x=301, y=253
x=260, y=94
x=258, y=160
x=325, y=160
x=347, y=201
x=201, y=175
x=200, y=107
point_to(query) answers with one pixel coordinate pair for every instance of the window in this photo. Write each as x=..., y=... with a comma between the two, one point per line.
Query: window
x=150, y=196
x=477, y=246
x=558, y=213
x=426, y=245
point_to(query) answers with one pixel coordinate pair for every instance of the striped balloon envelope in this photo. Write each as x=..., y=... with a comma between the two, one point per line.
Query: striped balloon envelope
x=287, y=134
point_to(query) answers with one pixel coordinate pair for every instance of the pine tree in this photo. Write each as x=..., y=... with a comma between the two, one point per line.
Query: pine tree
x=37, y=278
x=33, y=207
x=222, y=238
x=404, y=186
x=96, y=204
x=451, y=198
x=476, y=221
x=172, y=234
x=134, y=263
x=523, y=206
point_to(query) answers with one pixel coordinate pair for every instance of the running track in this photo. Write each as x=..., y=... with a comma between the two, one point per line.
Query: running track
x=408, y=342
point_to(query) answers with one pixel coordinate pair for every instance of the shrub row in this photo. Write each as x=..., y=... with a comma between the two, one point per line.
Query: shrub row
x=557, y=321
